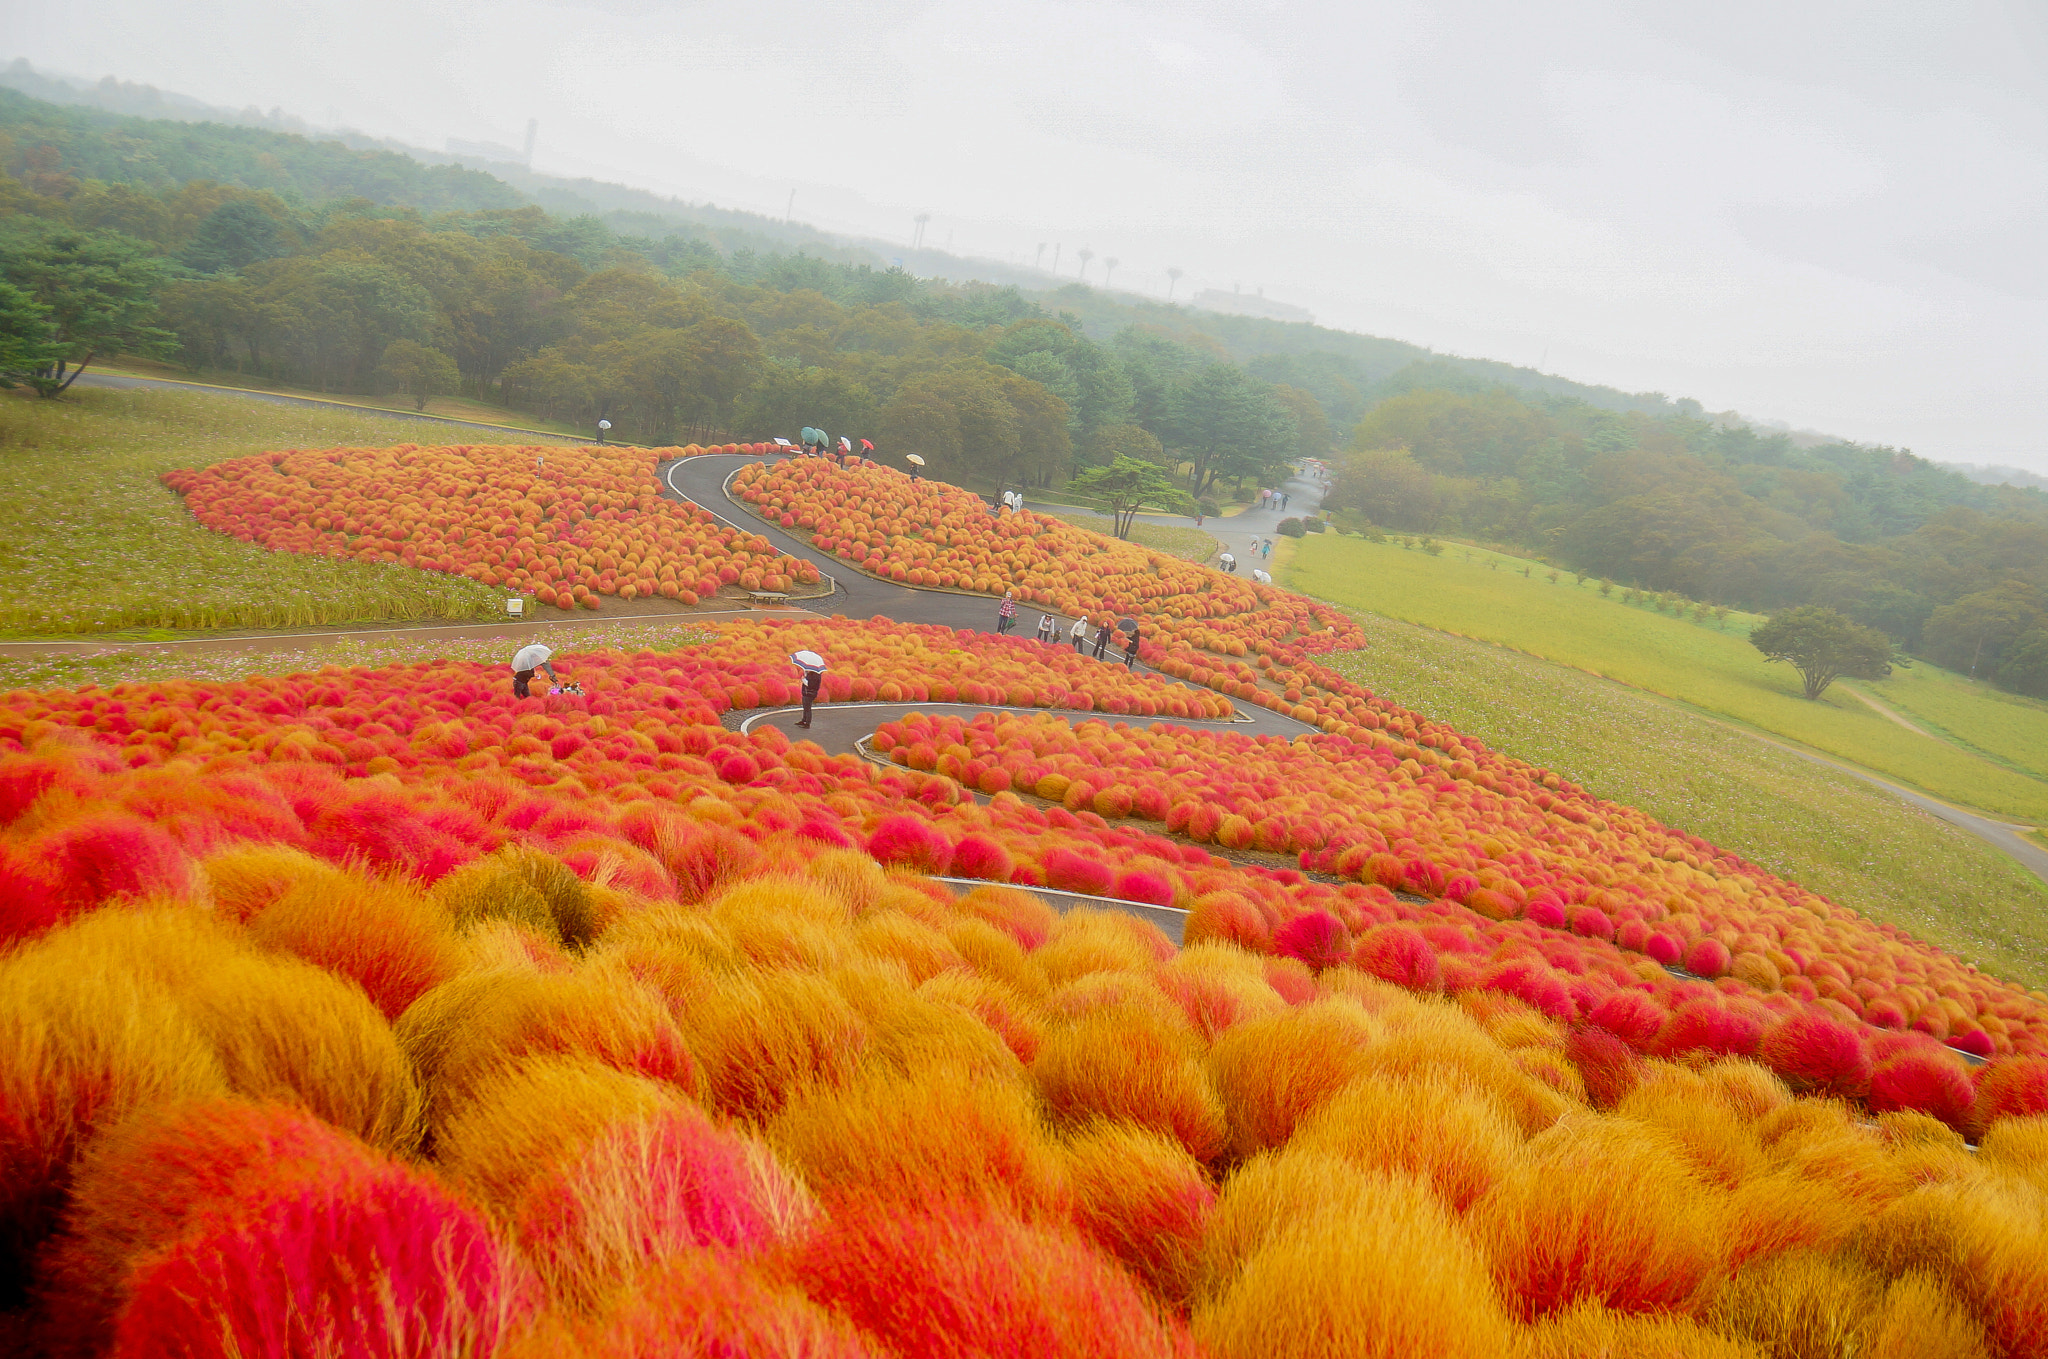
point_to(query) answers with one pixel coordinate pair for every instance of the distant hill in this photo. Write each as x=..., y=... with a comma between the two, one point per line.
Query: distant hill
x=1999, y=476
x=1346, y=371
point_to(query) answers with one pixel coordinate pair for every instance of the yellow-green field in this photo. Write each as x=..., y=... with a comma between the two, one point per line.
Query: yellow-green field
x=1189, y=544
x=448, y=407
x=91, y=541
x=1713, y=668
x=2006, y=727
x=1843, y=837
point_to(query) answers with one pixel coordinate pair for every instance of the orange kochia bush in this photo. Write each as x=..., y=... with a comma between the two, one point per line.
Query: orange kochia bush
x=567, y=524
x=376, y=1011
x=1354, y=806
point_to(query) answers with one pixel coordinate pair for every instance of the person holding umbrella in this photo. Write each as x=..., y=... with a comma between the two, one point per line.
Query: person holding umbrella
x=813, y=667
x=525, y=661
x=815, y=441
x=916, y=464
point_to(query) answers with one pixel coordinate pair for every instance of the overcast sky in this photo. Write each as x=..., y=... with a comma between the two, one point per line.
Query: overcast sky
x=1824, y=213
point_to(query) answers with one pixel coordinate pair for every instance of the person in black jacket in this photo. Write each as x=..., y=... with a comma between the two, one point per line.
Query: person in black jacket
x=813, y=666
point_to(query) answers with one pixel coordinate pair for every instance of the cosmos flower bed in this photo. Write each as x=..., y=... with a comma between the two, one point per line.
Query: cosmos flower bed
x=376, y=1012
x=567, y=525
x=1352, y=807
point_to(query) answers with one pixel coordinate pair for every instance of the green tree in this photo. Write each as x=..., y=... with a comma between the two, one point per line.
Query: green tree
x=25, y=345
x=1227, y=423
x=1128, y=484
x=234, y=236
x=1971, y=635
x=410, y=367
x=1124, y=441
x=1823, y=646
x=99, y=291
x=2024, y=668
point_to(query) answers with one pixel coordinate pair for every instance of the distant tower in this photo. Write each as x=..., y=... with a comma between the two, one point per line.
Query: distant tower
x=918, y=239
x=532, y=131
x=1086, y=254
x=1173, y=272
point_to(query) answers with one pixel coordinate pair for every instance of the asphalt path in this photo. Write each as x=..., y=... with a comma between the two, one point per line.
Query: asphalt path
x=1238, y=531
x=702, y=480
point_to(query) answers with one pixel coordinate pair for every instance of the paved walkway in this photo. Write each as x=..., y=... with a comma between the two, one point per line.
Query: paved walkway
x=702, y=480
x=1235, y=531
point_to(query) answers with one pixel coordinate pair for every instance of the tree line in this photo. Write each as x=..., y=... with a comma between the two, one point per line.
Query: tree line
x=1947, y=568
x=666, y=338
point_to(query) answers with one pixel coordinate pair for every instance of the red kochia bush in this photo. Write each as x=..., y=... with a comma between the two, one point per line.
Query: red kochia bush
x=101, y=857
x=910, y=842
x=1068, y=871
x=2014, y=1088
x=1815, y=1052
x=1632, y=1016
x=393, y=1267
x=1315, y=937
x=1400, y=955
x=978, y=856
x=963, y=1279
x=1141, y=886
x=29, y=903
x=1928, y=1080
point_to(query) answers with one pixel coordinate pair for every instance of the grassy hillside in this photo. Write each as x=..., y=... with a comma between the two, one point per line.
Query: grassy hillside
x=90, y=541
x=1712, y=667
x=2009, y=728
x=1857, y=844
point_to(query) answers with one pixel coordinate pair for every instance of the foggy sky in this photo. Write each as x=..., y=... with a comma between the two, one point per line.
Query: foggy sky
x=1823, y=213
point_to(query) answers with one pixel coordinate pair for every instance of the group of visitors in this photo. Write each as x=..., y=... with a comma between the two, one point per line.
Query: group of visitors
x=1106, y=630
x=816, y=443
x=1272, y=500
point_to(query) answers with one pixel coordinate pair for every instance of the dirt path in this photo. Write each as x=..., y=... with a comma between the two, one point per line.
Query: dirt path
x=1886, y=713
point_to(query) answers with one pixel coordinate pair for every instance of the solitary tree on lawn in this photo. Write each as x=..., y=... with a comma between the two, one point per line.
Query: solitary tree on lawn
x=1823, y=646
x=1127, y=484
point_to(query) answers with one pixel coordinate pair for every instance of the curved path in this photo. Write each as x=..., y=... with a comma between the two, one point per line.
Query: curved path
x=1235, y=532
x=702, y=480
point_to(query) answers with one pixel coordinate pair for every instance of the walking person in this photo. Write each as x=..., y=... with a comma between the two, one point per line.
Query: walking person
x=525, y=661
x=1131, y=649
x=813, y=666
x=1006, y=614
x=1102, y=632
x=1266, y=549
x=1228, y=563
x=1047, y=629
x=1079, y=633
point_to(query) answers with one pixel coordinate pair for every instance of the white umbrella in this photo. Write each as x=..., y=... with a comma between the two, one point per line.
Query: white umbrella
x=809, y=660
x=912, y=457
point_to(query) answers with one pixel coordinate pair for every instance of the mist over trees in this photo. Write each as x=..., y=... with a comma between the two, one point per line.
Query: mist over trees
x=1944, y=566
x=351, y=269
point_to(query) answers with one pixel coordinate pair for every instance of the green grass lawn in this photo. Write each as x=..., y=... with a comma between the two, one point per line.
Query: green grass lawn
x=92, y=542
x=2005, y=727
x=1855, y=843
x=1713, y=668
x=451, y=407
x=1189, y=544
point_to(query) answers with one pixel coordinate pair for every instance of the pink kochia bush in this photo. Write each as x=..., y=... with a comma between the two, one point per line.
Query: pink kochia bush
x=396, y=1266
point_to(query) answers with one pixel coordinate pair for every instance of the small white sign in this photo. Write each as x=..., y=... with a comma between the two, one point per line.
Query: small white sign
x=515, y=607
